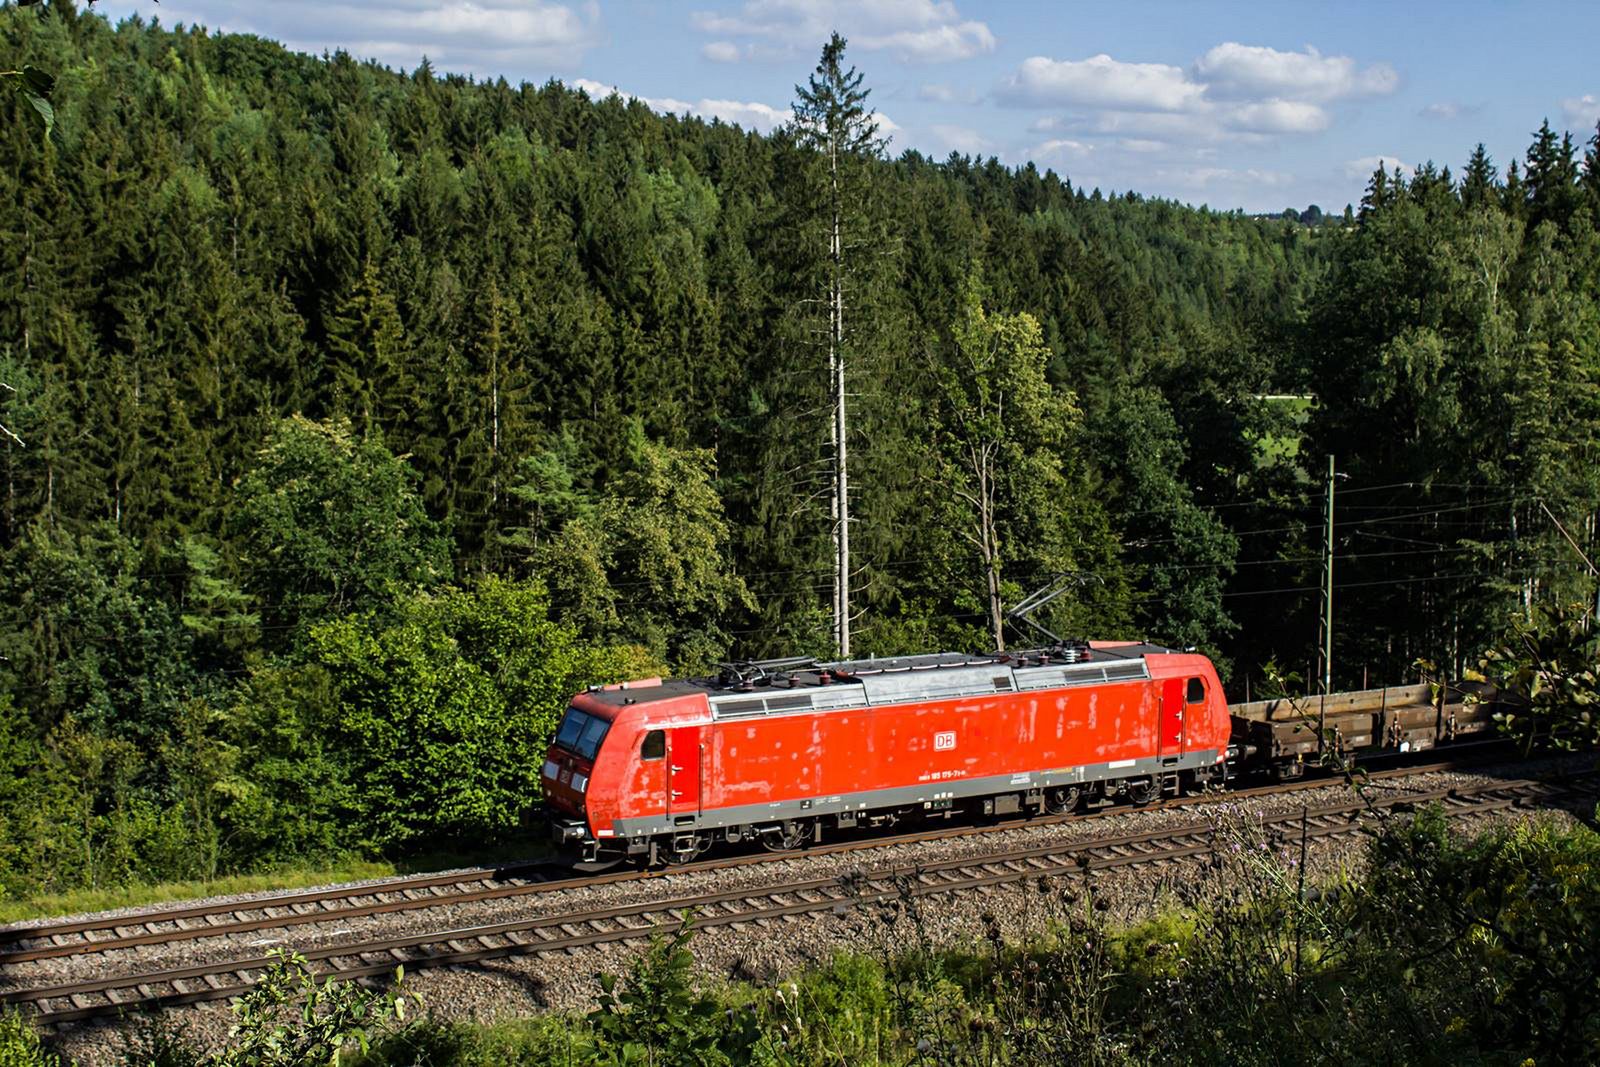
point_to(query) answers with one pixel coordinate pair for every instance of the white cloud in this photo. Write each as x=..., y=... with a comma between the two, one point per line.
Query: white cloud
x=1100, y=81
x=490, y=37
x=720, y=51
x=1583, y=111
x=1062, y=149
x=963, y=139
x=1199, y=178
x=1363, y=167
x=754, y=116
x=1277, y=116
x=1194, y=128
x=942, y=93
x=1234, y=94
x=918, y=31
x=1449, y=110
x=1233, y=71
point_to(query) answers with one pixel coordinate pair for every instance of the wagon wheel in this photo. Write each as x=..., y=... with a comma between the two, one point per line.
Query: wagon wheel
x=792, y=834
x=1062, y=799
x=1204, y=778
x=1144, y=791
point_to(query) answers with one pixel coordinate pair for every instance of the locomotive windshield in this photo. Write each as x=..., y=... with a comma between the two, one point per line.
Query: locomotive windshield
x=581, y=733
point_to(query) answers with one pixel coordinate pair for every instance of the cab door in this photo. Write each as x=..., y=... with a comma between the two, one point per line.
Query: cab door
x=686, y=760
x=1171, y=731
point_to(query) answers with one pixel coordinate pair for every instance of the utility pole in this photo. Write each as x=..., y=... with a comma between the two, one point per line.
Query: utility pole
x=1327, y=613
x=1327, y=593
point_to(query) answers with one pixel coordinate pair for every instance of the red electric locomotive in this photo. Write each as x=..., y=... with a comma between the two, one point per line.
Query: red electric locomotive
x=782, y=751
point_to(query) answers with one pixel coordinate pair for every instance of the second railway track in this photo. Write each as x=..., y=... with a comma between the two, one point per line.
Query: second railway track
x=103, y=934
x=68, y=1002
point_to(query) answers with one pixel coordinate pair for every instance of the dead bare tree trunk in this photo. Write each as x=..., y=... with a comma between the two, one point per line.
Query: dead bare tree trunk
x=841, y=465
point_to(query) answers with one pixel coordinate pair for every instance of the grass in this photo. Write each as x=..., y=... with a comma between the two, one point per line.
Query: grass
x=74, y=901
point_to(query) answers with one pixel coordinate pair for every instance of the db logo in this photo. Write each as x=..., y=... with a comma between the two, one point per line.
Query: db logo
x=944, y=742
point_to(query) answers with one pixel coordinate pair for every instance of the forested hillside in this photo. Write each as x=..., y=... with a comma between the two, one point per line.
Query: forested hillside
x=355, y=417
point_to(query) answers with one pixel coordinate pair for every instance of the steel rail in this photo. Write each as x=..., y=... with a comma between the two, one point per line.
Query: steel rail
x=633, y=921
x=251, y=916
x=245, y=922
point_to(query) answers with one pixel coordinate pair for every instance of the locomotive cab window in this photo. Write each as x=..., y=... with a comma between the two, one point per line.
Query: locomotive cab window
x=1197, y=692
x=581, y=733
x=655, y=745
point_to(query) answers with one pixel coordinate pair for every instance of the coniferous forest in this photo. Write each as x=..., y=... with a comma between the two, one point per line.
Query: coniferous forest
x=354, y=418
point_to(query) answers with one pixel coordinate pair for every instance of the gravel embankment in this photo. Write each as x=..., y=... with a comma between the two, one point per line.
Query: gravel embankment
x=522, y=985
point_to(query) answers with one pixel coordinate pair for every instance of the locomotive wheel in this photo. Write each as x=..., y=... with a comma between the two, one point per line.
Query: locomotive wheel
x=792, y=834
x=1145, y=791
x=1063, y=799
x=685, y=848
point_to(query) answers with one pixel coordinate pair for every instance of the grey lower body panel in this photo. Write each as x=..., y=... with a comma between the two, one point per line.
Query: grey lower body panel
x=909, y=796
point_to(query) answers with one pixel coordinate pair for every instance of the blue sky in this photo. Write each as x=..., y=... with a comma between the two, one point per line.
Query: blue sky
x=1252, y=105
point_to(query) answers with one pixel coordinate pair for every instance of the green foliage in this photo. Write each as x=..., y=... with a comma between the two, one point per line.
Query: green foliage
x=34, y=86
x=290, y=1018
x=330, y=523
x=290, y=796
x=442, y=713
x=86, y=634
x=1183, y=554
x=831, y=112
x=623, y=396
x=20, y=1045
x=656, y=1016
x=646, y=561
x=1438, y=299
x=1002, y=438
x=1489, y=938
x=1444, y=951
x=1546, y=674
x=20, y=754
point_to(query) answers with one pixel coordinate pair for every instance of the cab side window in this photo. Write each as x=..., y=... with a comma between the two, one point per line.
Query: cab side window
x=655, y=745
x=1197, y=692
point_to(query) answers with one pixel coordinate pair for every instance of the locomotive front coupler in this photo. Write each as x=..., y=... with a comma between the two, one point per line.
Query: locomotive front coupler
x=566, y=833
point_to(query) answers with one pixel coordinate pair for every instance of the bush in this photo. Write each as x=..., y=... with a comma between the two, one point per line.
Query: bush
x=289, y=1018
x=443, y=717
x=20, y=1045
x=657, y=1015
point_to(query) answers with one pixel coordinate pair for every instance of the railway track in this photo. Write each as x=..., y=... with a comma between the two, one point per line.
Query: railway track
x=44, y=941
x=70, y=1002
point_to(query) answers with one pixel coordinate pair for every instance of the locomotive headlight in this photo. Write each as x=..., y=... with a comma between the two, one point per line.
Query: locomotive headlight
x=580, y=782
x=550, y=768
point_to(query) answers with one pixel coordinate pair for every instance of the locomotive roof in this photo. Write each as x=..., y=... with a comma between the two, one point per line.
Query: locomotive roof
x=931, y=674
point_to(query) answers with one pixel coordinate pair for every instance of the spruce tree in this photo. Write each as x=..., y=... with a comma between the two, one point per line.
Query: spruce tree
x=832, y=118
x=1591, y=173
x=1479, y=179
x=1551, y=178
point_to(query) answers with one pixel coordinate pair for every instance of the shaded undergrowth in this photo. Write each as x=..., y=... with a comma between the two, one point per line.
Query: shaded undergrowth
x=1444, y=950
